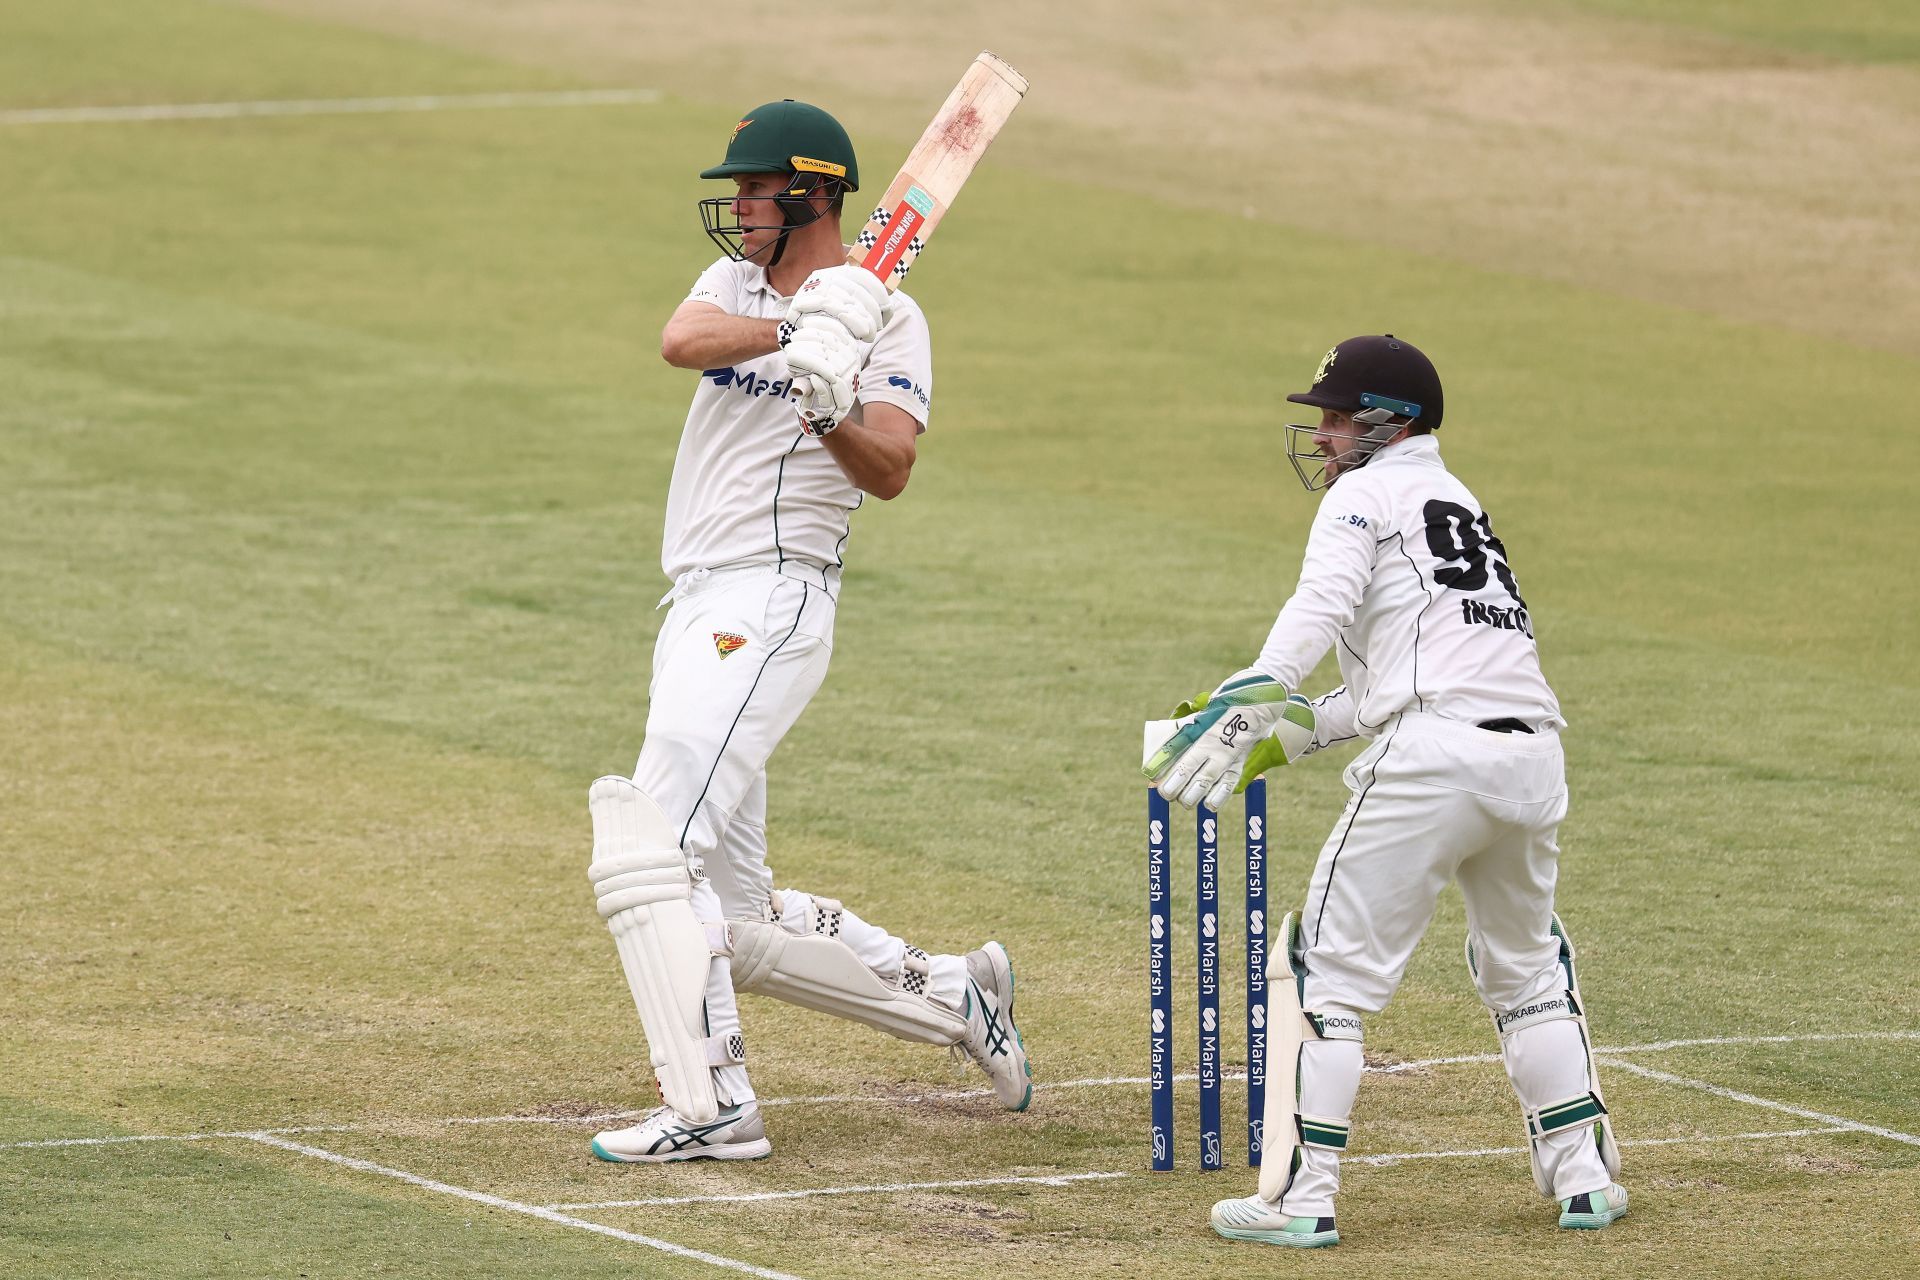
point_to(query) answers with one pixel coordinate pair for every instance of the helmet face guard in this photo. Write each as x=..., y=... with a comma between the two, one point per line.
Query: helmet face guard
x=723, y=226
x=1382, y=416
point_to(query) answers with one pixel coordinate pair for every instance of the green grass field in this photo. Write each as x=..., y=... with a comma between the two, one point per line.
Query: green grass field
x=333, y=454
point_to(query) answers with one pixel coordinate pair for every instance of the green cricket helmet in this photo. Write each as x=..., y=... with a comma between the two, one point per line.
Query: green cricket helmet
x=794, y=139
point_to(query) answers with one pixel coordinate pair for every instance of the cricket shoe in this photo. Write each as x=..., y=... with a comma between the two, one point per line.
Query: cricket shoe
x=1592, y=1210
x=1255, y=1219
x=735, y=1134
x=992, y=1039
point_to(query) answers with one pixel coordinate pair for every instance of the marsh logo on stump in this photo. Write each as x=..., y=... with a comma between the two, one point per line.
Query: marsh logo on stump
x=725, y=642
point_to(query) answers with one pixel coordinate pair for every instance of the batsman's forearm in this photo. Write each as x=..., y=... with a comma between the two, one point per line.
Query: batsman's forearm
x=876, y=462
x=715, y=339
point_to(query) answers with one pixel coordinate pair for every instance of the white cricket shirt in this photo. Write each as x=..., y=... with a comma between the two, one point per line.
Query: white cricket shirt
x=749, y=486
x=1403, y=572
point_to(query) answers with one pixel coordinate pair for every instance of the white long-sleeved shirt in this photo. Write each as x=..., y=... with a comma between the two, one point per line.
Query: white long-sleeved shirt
x=1403, y=572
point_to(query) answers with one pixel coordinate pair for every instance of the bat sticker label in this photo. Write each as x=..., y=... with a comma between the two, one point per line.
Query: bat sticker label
x=920, y=200
x=884, y=256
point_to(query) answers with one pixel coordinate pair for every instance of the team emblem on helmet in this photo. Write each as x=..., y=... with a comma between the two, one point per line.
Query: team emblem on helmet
x=1326, y=364
x=725, y=642
x=737, y=128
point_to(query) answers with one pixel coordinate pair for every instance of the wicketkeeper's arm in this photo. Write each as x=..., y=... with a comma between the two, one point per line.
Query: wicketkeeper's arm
x=1334, y=574
x=1335, y=719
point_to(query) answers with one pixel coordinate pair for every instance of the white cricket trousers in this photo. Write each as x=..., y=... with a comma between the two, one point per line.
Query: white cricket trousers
x=740, y=655
x=1435, y=800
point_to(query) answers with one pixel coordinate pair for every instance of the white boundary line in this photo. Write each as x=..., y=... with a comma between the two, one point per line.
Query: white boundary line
x=515, y=1206
x=1721, y=1091
x=329, y=106
x=1609, y=1054
x=883, y=1188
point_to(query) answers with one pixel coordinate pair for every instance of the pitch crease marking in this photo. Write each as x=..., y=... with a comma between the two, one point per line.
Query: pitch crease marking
x=884, y=1188
x=1735, y=1095
x=515, y=1206
x=1091, y=1082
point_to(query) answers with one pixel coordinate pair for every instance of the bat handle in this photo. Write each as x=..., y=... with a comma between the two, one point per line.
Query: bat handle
x=802, y=387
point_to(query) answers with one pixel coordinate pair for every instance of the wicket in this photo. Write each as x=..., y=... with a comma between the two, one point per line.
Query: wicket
x=1207, y=955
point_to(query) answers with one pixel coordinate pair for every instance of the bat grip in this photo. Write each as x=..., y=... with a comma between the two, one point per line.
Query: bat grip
x=803, y=386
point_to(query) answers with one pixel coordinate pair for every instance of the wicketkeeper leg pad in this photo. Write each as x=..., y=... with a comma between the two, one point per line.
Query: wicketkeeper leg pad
x=1313, y=1071
x=1549, y=1057
x=643, y=885
x=798, y=956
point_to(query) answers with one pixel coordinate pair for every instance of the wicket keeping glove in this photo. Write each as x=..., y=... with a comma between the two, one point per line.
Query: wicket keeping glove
x=1228, y=738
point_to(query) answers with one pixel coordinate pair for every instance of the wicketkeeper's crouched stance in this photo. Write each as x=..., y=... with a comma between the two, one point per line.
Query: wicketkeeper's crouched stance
x=757, y=519
x=1464, y=780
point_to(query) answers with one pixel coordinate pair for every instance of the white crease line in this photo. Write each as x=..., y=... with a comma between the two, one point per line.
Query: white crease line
x=1419, y=1064
x=1397, y=1157
x=1721, y=1091
x=1657, y=1045
x=514, y=1206
x=885, y=1188
x=940, y=1095
x=172, y=1137
x=596, y=1118
x=1062, y=1179
x=329, y=106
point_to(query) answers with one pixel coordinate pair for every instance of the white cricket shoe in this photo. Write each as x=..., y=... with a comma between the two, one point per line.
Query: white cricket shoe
x=992, y=1039
x=736, y=1134
x=1255, y=1219
x=1592, y=1210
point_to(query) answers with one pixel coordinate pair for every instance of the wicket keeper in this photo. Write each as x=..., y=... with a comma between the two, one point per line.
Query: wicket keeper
x=1463, y=780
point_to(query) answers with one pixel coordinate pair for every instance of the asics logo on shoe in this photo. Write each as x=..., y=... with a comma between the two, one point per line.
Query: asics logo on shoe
x=996, y=1036
x=692, y=1135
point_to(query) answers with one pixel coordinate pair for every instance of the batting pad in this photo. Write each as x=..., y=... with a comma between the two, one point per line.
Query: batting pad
x=641, y=880
x=822, y=973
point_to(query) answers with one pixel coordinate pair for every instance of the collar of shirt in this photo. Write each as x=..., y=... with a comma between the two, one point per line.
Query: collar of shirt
x=757, y=278
x=757, y=281
x=1414, y=448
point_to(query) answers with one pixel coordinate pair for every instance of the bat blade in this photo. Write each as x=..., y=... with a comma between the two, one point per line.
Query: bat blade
x=936, y=169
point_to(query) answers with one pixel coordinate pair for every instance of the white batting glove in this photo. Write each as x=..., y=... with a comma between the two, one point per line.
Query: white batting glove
x=825, y=365
x=851, y=295
x=1205, y=759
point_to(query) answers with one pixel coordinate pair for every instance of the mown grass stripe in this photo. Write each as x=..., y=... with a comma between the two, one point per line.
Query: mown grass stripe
x=329, y=106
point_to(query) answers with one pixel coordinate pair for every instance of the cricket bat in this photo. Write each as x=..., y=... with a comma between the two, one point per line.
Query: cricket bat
x=937, y=167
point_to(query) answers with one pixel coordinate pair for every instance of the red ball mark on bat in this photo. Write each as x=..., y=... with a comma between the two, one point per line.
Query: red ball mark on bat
x=962, y=131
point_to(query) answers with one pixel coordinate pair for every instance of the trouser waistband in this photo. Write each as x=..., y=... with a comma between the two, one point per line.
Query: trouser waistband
x=825, y=577
x=1517, y=734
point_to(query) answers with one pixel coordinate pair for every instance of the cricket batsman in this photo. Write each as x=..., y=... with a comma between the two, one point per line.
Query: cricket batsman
x=1463, y=780
x=814, y=385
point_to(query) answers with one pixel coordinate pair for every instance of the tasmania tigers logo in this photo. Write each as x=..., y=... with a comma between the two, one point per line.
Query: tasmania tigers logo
x=725, y=642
